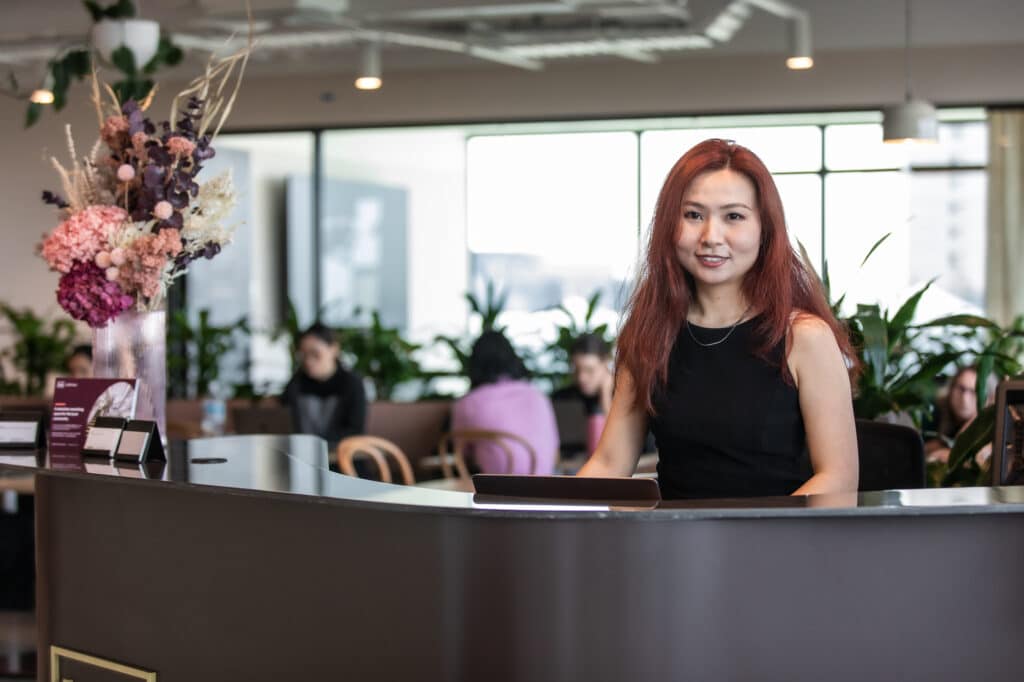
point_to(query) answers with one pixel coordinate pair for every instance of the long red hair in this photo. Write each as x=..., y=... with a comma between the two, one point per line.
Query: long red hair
x=777, y=285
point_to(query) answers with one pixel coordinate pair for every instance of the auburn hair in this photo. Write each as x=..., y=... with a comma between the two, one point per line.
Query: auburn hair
x=778, y=283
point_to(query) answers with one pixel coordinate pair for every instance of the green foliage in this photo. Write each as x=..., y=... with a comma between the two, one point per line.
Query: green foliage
x=77, y=64
x=205, y=344
x=904, y=365
x=40, y=347
x=572, y=330
x=962, y=467
x=488, y=310
x=380, y=354
x=122, y=9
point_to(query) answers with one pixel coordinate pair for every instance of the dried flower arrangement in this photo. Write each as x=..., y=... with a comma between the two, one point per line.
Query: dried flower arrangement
x=134, y=214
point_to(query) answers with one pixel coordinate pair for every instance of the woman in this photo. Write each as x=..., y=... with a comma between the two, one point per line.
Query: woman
x=326, y=399
x=592, y=380
x=78, y=364
x=958, y=408
x=729, y=350
x=501, y=399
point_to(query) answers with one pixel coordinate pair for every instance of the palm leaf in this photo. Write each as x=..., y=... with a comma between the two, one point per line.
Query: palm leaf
x=901, y=320
x=970, y=441
x=958, y=321
x=591, y=307
x=876, y=343
x=872, y=250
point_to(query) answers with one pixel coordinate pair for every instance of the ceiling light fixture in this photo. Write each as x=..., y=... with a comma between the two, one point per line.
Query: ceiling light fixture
x=44, y=93
x=913, y=120
x=800, y=43
x=369, y=71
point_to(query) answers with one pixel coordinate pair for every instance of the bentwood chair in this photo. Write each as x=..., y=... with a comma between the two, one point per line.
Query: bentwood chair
x=454, y=446
x=378, y=450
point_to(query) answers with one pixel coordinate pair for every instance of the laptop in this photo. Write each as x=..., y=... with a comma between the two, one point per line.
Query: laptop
x=511, y=489
x=571, y=419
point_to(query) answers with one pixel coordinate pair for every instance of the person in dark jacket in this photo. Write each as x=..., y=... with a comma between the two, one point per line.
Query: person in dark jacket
x=326, y=399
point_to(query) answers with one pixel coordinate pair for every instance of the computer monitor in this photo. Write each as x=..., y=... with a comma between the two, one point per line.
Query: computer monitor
x=1008, y=440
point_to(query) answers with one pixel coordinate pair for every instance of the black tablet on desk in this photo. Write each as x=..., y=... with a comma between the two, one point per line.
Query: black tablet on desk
x=559, y=490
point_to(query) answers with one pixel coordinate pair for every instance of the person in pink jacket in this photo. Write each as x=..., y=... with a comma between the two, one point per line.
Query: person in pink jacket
x=502, y=399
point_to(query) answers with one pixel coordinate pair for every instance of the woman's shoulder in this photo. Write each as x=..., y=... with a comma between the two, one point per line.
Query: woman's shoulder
x=813, y=342
x=805, y=325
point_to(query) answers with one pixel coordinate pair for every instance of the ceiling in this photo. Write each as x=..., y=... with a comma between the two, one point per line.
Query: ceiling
x=297, y=36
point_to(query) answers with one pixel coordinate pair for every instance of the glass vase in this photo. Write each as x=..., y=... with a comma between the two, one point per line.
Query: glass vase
x=134, y=345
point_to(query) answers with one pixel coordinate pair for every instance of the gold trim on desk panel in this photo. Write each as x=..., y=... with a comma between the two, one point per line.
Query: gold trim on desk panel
x=57, y=652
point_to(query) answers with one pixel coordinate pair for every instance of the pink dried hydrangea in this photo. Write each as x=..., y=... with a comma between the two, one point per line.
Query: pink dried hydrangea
x=145, y=260
x=180, y=146
x=115, y=132
x=82, y=236
x=86, y=294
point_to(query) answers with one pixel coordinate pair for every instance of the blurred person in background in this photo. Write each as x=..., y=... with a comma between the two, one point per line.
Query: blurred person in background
x=957, y=408
x=326, y=399
x=502, y=399
x=78, y=364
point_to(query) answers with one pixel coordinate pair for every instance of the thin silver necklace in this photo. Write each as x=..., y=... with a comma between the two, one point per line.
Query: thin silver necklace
x=689, y=328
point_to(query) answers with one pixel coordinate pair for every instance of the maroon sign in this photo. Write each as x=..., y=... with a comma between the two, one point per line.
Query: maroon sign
x=77, y=403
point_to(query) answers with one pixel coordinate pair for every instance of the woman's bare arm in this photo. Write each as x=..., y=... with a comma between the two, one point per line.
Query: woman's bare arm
x=619, y=448
x=827, y=406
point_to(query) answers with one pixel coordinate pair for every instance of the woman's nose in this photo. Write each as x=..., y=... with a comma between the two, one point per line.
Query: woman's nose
x=710, y=234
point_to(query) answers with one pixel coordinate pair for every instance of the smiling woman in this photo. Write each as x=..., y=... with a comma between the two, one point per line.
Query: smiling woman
x=730, y=353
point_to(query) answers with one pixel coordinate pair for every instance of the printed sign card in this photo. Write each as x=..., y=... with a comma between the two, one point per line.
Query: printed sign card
x=21, y=430
x=77, y=403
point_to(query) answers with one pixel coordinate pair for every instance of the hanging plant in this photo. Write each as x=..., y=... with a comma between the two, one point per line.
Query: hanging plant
x=113, y=26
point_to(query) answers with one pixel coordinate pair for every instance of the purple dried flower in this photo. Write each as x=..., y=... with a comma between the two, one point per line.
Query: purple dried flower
x=55, y=199
x=86, y=294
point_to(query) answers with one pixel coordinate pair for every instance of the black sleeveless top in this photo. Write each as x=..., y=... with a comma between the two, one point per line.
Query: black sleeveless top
x=727, y=424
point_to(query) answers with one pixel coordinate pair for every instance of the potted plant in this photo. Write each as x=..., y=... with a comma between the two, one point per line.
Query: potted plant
x=381, y=355
x=40, y=347
x=561, y=347
x=132, y=45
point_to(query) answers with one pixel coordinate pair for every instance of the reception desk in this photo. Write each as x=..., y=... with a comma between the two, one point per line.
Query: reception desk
x=245, y=558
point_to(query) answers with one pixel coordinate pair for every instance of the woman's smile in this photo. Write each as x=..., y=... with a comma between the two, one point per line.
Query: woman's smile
x=712, y=261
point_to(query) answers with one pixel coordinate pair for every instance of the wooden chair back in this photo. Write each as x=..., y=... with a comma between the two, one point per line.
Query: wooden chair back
x=453, y=445
x=377, y=449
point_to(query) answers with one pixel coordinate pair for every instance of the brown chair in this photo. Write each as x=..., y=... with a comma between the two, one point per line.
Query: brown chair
x=452, y=450
x=377, y=449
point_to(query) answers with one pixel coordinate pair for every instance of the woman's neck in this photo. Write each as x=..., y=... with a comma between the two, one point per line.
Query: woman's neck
x=716, y=307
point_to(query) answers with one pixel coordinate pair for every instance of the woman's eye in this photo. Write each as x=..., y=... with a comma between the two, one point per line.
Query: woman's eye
x=735, y=216
x=691, y=215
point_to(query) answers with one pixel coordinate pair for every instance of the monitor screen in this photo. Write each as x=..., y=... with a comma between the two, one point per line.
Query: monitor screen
x=1008, y=442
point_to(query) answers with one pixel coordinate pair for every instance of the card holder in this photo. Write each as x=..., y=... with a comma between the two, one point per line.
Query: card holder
x=140, y=442
x=103, y=437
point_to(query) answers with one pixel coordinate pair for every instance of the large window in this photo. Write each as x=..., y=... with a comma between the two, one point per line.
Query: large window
x=405, y=221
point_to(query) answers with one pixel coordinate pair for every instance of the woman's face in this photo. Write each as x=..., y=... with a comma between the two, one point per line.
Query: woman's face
x=719, y=232
x=963, y=397
x=589, y=370
x=80, y=366
x=319, y=359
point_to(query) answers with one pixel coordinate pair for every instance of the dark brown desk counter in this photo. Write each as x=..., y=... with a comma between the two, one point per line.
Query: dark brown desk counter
x=245, y=558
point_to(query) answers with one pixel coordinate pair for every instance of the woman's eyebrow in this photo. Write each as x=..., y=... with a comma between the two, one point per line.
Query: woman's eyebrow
x=724, y=206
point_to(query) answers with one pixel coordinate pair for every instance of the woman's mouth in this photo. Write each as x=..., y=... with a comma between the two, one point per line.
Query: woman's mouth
x=711, y=261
